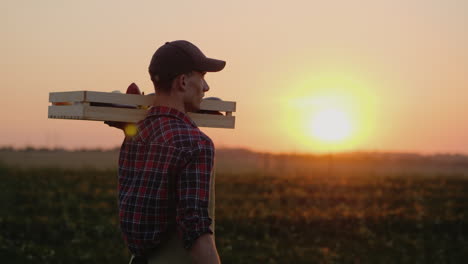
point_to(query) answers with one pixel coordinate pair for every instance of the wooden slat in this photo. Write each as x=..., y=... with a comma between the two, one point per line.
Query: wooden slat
x=131, y=99
x=217, y=121
x=116, y=98
x=113, y=114
x=66, y=111
x=77, y=96
x=86, y=112
x=215, y=105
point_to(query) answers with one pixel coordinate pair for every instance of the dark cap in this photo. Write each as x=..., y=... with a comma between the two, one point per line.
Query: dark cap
x=180, y=56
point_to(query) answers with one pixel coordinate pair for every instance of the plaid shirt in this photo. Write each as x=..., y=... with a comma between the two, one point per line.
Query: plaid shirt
x=168, y=144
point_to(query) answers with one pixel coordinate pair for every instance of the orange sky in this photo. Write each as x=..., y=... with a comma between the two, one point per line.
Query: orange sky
x=399, y=69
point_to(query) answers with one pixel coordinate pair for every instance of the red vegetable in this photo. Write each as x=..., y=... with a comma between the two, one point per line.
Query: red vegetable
x=133, y=89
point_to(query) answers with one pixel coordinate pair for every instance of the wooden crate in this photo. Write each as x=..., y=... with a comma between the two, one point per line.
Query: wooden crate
x=102, y=106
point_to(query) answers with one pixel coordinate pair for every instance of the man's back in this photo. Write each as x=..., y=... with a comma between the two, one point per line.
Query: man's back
x=168, y=156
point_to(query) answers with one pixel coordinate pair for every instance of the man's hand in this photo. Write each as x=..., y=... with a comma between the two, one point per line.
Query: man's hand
x=126, y=127
x=116, y=124
x=129, y=129
x=204, y=250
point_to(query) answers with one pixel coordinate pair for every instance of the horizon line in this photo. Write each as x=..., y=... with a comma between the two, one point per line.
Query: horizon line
x=240, y=148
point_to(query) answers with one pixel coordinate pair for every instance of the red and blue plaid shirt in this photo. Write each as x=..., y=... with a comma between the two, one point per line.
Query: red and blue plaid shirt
x=167, y=149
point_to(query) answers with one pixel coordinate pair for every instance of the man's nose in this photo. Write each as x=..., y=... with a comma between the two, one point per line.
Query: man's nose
x=206, y=87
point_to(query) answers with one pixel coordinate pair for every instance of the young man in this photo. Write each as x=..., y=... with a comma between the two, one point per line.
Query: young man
x=165, y=169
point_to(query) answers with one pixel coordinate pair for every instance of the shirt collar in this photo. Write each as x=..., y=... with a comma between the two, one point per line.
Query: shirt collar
x=171, y=112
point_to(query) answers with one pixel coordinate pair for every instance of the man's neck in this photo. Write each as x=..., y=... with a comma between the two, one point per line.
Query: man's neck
x=169, y=101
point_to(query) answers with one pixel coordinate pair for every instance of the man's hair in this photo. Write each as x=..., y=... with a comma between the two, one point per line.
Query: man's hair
x=165, y=85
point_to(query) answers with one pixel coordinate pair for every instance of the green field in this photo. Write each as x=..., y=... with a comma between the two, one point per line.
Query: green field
x=70, y=216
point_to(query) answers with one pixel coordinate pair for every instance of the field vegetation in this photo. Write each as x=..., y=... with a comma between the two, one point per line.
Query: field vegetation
x=58, y=215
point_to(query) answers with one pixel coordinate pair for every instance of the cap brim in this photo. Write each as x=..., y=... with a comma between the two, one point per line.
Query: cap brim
x=211, y=65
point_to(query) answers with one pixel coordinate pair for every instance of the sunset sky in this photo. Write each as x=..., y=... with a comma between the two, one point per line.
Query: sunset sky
x=307, y=76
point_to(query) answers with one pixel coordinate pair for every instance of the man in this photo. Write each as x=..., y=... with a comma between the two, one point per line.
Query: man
x=164, y=169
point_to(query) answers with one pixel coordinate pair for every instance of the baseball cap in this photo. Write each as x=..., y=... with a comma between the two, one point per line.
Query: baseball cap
x=180, y=56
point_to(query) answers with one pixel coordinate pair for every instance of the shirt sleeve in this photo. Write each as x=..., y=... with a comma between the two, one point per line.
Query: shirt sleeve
x=193, y=194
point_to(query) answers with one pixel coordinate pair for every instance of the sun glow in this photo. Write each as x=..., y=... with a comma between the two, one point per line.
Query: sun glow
x=329, y=112
x=330, y=125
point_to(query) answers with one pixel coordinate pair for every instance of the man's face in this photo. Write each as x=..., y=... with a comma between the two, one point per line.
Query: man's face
x=196, y=87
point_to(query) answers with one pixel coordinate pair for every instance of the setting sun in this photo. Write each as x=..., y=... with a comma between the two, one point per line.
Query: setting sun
x=330, y=125
x=331, y=111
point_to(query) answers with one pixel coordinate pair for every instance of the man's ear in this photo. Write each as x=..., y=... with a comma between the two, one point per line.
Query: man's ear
x=181, y=82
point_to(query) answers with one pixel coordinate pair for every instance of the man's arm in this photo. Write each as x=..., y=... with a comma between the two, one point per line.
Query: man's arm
x=204, y=250
x=193, y=192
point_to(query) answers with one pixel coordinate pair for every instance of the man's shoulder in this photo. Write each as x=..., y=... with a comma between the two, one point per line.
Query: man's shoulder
x=186, y=135
x=183, y=135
